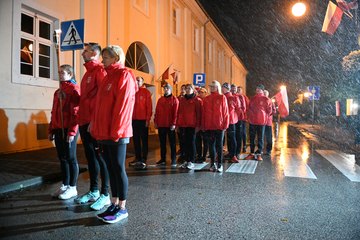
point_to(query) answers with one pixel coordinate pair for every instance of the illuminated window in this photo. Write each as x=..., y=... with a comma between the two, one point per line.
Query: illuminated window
x=35, y=45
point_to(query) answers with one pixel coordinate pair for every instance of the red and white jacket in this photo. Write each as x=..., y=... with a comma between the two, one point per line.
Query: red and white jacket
x=112, y=118
x=143, y=105
x=189, y=114
x=166, y=111
x=234, y=107
x=90, y=84
x=215, y=112
x=70, y=96
x=259, y=109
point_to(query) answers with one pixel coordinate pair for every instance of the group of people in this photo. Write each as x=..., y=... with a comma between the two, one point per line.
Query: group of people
x=201, y=121
x=111, y=105
x=100, y=110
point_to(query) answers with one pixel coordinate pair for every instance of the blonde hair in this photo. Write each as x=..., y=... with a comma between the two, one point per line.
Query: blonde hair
x=116, y=52
x=217, y=84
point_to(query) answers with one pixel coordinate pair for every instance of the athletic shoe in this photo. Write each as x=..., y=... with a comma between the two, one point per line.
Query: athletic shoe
x=213, y=168
x=161, y=162
x=250, y=157
x=107, y=212
x=173, y=164
x=101, y=202
x=234, y=160
x=258, y=157
x=88, y=197
x=117, y=215
x=220, y=169
x=69, y=193
x=190, y=166
x=61, y=190
x=140, y=165
x=133, y=163
x=238, y=157
x=184, y=165
x=244, y=150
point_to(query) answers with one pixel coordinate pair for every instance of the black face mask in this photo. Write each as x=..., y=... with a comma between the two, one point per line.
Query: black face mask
x=188, y=96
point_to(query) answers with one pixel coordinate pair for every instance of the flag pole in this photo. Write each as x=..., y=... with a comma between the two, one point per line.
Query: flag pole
x=57, y=33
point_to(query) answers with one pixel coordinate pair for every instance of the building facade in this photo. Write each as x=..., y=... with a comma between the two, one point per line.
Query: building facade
x=154, y=34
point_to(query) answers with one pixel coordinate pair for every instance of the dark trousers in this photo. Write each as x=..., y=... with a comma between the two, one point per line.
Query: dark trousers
x=215, y=140
x=202, y=146
x=243, y=131
x=231, y=139
x=189, y=144
x=268, y=138
x=115, y=156
x=163, y=132
x=140, y=139
x=180, y=135
x=238, y=136
x=256, y=131
x=96, y=163
x=67, y=155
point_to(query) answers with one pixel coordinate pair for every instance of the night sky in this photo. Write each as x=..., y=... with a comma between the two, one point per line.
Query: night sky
x=278, y=48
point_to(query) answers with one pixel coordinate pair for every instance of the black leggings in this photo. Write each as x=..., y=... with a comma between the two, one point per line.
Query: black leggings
x=67, y=155
x=115, y=156
x=96, y=163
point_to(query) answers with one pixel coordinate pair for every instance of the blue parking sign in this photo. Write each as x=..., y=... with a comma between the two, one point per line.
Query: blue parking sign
x=199, y=79
x=315, y=92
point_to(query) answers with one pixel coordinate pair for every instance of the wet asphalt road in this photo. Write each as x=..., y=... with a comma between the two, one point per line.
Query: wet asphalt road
x=295, y=193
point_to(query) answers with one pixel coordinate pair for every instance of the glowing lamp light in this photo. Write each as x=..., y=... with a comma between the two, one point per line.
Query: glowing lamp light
x=283, y=87
x=298, y=9
x=30, y=47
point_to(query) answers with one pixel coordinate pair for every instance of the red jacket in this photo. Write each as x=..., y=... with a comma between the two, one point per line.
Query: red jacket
x=166, y=111
x=90, y=84
x=189, y=114
x=215, y=112
x=243, y=106
x=143, y=105
x=259, y=109
x=270, y=116
x=234, y=107
x=114, y=105
x=70, y=107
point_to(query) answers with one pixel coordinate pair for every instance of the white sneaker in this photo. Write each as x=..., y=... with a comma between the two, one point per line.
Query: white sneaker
x=69, y=193
x=220, y=169
x=184, y=165
x=61, y=190
x=101, y=202
x=190, y=165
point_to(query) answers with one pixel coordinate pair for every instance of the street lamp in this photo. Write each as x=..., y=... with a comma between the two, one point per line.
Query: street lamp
x=298, y=9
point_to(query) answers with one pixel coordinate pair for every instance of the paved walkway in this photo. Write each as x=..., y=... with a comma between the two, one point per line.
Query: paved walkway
x=24, y=169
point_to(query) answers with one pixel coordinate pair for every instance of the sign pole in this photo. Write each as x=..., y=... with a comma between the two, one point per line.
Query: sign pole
x=313, y=106
x=60, y=95
x=73, y=63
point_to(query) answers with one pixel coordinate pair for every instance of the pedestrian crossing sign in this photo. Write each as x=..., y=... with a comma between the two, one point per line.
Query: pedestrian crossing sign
x=72, y=35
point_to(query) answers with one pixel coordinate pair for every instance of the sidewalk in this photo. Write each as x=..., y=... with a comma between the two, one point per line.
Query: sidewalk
x=24, y=169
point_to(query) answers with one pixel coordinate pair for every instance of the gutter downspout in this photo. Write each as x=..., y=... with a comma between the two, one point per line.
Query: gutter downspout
x=205, y=44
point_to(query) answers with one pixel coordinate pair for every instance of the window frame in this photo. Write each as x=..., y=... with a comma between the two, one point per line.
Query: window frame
x=39, y=15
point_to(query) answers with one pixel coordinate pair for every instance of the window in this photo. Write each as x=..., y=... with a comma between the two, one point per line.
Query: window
x=35, y=45
x=196, y=38
x=142, y=6
x=176, y=20
x=210, y=50
x=138, y=58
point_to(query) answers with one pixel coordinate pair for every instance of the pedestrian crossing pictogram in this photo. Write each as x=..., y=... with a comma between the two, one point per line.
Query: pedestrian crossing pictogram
x=72, y=34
